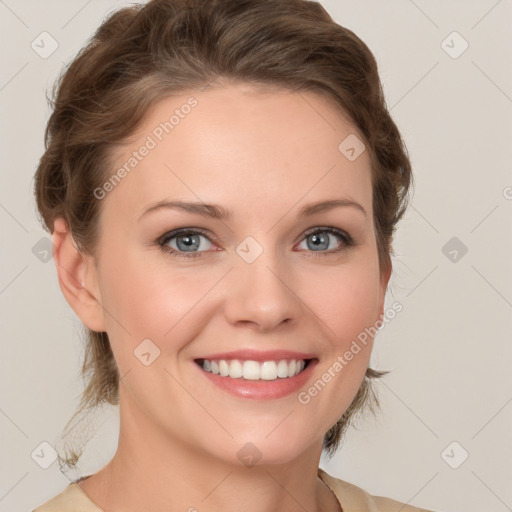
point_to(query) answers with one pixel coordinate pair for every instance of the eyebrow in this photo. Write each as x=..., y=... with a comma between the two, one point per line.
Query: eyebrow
x=221, y=213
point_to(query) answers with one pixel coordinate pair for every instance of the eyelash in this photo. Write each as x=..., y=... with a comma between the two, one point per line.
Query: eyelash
x=347, y=241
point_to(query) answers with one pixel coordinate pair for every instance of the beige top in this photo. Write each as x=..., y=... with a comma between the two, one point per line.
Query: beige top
x=350, y=497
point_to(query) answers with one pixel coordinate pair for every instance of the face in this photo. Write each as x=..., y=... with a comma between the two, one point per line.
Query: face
x=187, y=293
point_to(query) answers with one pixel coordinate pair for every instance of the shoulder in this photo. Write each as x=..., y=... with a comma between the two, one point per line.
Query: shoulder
x=71, y=499
x=354, y=499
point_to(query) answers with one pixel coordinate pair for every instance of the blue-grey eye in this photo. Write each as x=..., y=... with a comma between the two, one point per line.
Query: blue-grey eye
x=322, y=239
x=188, y=242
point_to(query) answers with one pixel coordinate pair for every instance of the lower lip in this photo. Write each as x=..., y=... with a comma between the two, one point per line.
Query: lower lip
x=261, y=389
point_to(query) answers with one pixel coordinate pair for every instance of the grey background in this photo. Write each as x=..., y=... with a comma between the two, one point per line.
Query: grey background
x=449, y=349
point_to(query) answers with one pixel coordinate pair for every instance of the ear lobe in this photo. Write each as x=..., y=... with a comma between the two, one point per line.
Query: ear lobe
x=76, y=274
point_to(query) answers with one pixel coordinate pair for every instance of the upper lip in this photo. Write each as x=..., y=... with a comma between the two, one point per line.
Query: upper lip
x=258, y=355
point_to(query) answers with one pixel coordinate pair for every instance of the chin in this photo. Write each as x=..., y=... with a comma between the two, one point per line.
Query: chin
x=258, y=448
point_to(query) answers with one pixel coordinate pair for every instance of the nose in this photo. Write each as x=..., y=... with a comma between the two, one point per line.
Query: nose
x=261, y=294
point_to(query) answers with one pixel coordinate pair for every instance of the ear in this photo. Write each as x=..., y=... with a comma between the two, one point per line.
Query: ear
x=77, y=277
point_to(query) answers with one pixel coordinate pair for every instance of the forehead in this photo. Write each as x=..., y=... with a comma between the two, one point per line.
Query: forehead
x=239, y=145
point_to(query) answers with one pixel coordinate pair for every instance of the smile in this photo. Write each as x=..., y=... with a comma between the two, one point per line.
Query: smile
x=254, y=370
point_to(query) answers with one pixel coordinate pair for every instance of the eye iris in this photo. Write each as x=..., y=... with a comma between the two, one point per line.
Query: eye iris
x=321, y=241
x=189, y=241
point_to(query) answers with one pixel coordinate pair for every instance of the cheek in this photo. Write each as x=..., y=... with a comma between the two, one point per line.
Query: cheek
x=346, y=299
x=155, y=301
x=348, y=306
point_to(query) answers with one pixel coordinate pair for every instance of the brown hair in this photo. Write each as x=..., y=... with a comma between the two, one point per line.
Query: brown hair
x=142, y=53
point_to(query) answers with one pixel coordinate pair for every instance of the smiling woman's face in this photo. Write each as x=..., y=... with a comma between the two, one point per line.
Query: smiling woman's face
x=242, y=287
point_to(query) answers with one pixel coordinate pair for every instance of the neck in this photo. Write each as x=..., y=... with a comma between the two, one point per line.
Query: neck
x=153, y=471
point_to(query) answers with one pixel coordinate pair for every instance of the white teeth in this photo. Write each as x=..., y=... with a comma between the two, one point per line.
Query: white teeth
x=235, y=369
x=251, y=370
x=282, y=369
x=269, y=370
x=223, y=368
x=254, y=370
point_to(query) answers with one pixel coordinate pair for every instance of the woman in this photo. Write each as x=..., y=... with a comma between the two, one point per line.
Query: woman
x=222, y=181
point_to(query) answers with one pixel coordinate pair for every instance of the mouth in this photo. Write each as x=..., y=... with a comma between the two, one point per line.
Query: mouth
x=270, y=370
x=255, y=375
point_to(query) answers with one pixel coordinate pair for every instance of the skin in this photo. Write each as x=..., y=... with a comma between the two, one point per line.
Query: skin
x=263, y=155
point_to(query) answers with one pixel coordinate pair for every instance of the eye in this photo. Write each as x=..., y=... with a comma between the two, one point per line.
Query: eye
x=318, y=240
x=186, y=242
